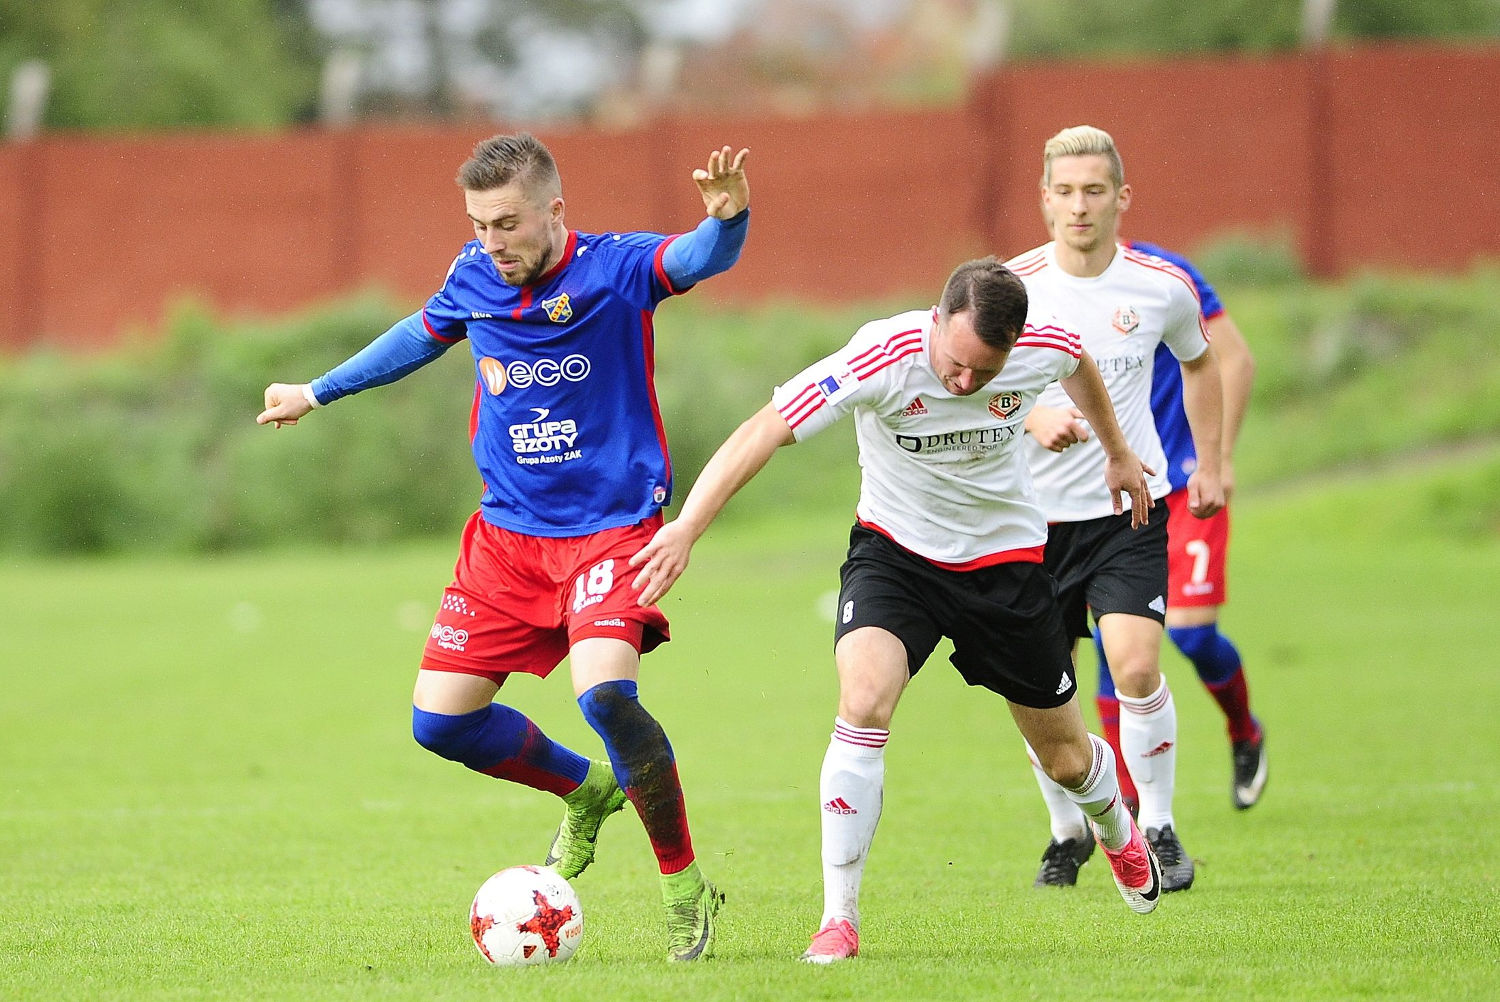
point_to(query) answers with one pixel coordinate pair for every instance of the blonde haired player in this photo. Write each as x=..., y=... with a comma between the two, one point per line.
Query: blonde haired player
x=1122, y=304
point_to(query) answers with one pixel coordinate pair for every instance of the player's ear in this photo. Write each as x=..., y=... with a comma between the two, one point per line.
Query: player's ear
x=1124, y=197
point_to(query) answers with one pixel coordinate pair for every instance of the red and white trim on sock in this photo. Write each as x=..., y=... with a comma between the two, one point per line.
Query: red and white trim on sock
x=864, y=737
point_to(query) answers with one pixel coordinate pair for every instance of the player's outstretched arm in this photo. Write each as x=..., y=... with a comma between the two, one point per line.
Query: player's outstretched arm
x=723, y=184
x=1203, y=402
x=1123, y=469
x=404, y=348
x=733, y=465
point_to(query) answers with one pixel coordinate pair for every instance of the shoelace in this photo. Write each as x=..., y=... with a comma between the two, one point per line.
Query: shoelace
x=1058, y=861
x=1168, y=849
x=828, y=940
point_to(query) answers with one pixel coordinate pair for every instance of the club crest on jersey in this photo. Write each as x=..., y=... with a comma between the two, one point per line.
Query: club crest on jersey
x=1126, y=319
x=559, y=308
x=1003, y=405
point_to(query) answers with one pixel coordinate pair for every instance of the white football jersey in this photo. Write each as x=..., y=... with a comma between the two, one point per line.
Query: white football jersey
x=1138, y=302
x=944, y=476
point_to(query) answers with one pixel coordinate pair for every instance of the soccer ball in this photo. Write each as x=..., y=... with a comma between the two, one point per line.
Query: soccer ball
x=526, y=915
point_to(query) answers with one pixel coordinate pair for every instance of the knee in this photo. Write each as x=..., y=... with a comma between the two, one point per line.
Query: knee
x=447, y=735
x=609, y=706
x=1136, y=676
x=865, y=706
x=1067, y=765
x=1195, y=642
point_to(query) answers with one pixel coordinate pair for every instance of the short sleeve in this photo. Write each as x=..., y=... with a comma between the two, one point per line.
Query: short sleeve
x=1186, y=335
x=825, y=391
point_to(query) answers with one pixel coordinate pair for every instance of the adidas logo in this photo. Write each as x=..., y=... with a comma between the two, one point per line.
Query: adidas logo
x=609, y=622
x=1158, y=604
x=838, y=805
x=1160, y=749
x=914, y=408
x=1064, y=685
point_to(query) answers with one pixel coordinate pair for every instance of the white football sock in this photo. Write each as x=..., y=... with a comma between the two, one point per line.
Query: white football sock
x=1064, y=817
x=1148, y=740
x=1099, y=797
x=850, y=791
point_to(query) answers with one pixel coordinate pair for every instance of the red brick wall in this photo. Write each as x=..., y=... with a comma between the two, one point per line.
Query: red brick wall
x=1371, y=157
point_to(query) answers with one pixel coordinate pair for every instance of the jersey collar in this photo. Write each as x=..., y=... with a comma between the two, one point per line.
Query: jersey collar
x=567, y=255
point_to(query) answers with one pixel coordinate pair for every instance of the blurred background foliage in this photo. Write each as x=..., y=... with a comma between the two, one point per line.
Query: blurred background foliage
x=269, y=63
x=152, y=447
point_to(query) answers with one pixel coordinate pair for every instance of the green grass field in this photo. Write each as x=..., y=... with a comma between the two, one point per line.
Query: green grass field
x=210, y=791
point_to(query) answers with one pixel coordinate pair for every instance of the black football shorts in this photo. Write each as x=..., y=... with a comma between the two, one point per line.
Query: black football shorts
x=1104, y=565
x=1003, y=620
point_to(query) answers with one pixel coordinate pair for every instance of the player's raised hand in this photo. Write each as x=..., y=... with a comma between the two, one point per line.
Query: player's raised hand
x=723, y=185
x=285, y=403
x=662, y=562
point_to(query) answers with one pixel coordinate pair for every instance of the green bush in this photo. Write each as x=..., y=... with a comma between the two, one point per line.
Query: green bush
x=153, y=446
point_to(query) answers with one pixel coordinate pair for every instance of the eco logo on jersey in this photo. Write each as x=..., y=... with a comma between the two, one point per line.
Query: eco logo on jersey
x=497, y=375
x=1126, y=319
x=492, y=371
x=559, y=309
x=1003, y=405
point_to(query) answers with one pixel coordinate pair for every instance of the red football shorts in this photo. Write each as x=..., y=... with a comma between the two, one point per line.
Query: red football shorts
x=1197, y=552
x=518, y=603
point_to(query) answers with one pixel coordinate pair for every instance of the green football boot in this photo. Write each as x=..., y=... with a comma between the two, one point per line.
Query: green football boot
x=596, y=798
x=692, y=903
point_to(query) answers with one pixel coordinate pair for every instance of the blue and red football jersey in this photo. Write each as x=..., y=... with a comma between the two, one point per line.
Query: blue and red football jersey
x=566, y=428
x=1166, y=377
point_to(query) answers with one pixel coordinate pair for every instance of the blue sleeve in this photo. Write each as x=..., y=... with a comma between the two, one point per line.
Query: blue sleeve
x=710, y=249
x=404, y=348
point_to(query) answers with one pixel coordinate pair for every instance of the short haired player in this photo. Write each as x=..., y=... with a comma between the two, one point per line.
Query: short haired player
x=1123, y=304
x=948, y=542
x=567, y=435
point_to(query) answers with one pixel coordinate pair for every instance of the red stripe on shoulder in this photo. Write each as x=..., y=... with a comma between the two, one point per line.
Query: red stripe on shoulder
x=877, y=357
x=1166, y=267
x=1051, y=336
x=1030, y=262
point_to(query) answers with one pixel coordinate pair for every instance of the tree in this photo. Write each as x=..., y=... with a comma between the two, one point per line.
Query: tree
x=156, y=63
x=504, y=58
x=1112, y=27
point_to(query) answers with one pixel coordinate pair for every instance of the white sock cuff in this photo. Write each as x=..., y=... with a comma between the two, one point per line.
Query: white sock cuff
x=870, y=740
x=1147, y=704
x=1103, y=755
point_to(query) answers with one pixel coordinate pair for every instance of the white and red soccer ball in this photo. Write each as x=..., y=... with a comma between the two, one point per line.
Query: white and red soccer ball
x=526, y=915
